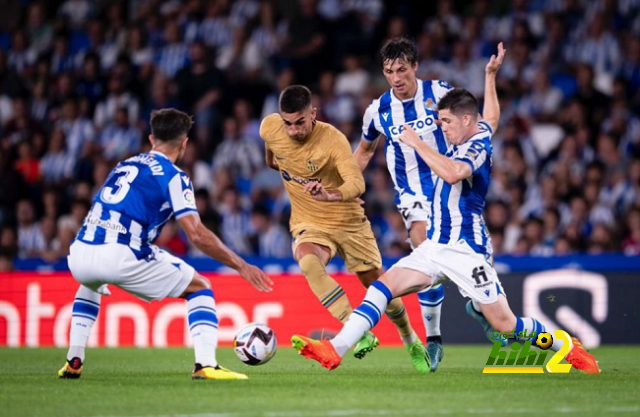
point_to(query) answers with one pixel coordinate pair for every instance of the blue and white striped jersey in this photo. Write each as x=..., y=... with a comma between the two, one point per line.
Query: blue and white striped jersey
x=387, y=116
x=457, y=209
x=139, y=196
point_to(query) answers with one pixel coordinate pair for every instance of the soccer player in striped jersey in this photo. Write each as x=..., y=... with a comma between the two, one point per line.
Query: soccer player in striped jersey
x=458, y=247
x=115, y=246
x=409, y=101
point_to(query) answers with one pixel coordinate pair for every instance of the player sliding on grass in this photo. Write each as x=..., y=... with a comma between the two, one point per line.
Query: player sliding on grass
x=458, y=246
x=412, y=101
x=114, y=246
x=323, y=182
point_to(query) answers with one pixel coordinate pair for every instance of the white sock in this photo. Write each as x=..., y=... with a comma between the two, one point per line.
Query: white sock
x=431, y=308
x=409, y=340
x=363, y=318
x=86, y=307
x=203, y=325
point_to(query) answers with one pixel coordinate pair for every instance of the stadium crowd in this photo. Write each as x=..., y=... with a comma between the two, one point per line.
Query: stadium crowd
x=79, y=78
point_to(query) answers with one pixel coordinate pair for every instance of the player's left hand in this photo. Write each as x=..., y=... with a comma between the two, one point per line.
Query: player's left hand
x=495, y=61
x=317, y=191
x=409, y=137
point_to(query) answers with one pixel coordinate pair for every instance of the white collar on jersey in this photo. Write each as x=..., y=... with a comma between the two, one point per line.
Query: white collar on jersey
x=159, y=153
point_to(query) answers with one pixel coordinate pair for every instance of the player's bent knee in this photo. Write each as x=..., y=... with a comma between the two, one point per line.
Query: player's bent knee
x=198, y=283
x=311, y=266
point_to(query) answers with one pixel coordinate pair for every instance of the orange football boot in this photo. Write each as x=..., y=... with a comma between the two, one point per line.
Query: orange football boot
x=320, y=350
x=581, y=359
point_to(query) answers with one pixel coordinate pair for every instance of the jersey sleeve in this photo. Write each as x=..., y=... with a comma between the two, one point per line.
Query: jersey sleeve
x=474, y=153
x=440, y=88
x=180, y=195
x=485, y=126
x=347, y=167
x=268, y=125
x=369, y=130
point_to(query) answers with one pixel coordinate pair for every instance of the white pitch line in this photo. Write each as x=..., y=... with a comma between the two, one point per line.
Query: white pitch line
x=405, y=412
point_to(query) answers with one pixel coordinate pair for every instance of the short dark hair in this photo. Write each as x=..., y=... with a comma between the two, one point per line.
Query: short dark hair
x=295, y=98
x=169, y=124
x=399, y=48
x=459, y=102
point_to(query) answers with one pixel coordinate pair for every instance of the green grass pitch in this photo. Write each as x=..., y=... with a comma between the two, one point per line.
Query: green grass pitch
x=155, y=382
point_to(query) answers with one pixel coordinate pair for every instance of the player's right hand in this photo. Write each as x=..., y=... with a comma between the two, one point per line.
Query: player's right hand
x=256, y=277
x=496, y=61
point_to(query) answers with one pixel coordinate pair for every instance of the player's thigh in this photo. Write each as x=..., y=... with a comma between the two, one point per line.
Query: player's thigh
x=313, y=241
x=359, y=249
x=472, y=272
x=402, y=281
x=160, y=276
x=418, y=269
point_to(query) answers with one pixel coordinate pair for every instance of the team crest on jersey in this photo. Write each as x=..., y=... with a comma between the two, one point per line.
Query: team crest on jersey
x=430, y=105
x=312, y=166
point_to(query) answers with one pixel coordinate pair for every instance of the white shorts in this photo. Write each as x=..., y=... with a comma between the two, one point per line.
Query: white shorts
x=162, y=275
x=470, y=271
x=414, y=209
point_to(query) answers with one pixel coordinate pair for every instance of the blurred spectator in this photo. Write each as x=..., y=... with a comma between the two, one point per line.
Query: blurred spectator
x=27, y=164
x=9, y=240
x=30, y=238
x=72, y=221
x=90, y=83
x=200, y=88
x=39, y=30
x=119, y=140
x=354, y=80
x=77, y=129
x=76, y=12
x=235, y=222
x=56, y=166
x=173, y=55
x=542, y=101
x=268, y=238
x=240, y=155
x=305, y=43
x=117, y=98
x=6, y=261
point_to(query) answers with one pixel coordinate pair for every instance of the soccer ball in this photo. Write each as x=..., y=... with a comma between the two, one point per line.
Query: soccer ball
x=255, y=344
x=544, y=340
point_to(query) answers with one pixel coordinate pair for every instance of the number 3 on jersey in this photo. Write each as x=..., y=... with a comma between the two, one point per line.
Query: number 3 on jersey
x=122, y=179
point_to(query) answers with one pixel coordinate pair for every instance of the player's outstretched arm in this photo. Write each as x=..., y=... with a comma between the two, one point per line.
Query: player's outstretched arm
x=210, y=244
x=364, y=152
x=491, y=104
x=449, y=170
